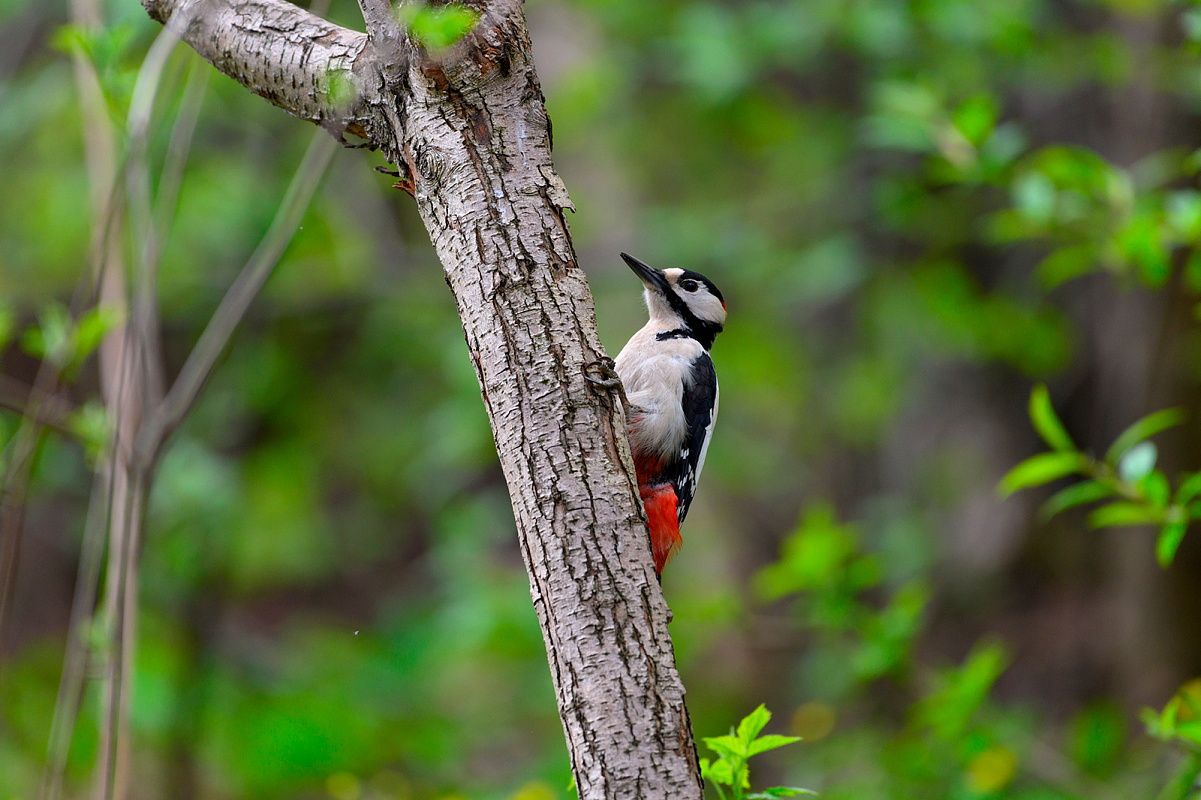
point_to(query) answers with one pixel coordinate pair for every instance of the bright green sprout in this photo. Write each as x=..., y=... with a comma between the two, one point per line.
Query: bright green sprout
x=731, y=771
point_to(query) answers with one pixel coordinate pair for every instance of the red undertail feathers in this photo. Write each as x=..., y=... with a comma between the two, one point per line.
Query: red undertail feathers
x=660, y=502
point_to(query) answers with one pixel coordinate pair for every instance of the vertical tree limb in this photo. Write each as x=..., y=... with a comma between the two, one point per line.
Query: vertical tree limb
x=469, y=130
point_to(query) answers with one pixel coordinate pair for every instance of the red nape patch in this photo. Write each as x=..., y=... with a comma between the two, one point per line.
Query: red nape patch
x=660, y=502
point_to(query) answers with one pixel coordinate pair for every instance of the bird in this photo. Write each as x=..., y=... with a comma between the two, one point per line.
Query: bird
x=671, y=395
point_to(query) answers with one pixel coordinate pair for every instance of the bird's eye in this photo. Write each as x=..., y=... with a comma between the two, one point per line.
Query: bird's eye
x=688, y=286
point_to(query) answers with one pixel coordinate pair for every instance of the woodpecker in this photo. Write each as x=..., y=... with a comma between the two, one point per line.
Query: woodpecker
x=671, y=391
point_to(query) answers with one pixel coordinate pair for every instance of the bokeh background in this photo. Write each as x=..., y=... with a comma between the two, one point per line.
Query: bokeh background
x=916, y=209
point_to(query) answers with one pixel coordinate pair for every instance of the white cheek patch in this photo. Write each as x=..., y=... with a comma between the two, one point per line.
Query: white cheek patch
x=710, y=308
x=704, y=305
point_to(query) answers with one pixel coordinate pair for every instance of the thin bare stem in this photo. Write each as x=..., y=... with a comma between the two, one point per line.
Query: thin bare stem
x=129, y=628
x=106, y=219
x=12, y=512
x=141, y=215
x=20, y=43
x=104, y=249
x=113, y=737
x=51, y=411
x=70, y=688
x=166, y=200
x=167, y=416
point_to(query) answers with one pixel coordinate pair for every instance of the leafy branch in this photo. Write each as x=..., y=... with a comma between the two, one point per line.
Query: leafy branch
x=1126, y=477
x=1180, y=723
x=735, y=749
x=1137, y=494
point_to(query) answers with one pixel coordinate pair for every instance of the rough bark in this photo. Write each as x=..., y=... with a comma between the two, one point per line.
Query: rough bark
x=470, y=135
x=275, y=49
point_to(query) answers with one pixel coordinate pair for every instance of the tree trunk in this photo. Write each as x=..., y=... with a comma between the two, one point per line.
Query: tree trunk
x=470, y=135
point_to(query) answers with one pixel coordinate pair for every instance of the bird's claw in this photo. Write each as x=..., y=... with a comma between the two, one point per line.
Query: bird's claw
x=603, y=367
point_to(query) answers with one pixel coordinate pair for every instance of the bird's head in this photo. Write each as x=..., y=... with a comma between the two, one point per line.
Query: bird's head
x=681, y=298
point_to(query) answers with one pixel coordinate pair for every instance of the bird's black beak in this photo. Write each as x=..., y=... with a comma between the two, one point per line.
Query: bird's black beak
x=652, y=278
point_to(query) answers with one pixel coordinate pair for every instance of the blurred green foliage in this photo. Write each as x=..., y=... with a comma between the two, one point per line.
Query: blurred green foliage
x=437, y=27
x=914, y=209
x=1139, y=494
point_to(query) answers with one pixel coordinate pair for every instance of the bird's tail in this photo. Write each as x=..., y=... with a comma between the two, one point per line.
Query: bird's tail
x=660, y=502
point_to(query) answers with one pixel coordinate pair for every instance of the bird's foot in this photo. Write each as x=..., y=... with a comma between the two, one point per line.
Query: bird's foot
x=605, y=369
x=602, y=374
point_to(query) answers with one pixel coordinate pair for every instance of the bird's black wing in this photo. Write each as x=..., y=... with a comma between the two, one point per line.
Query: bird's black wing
x=700, y=409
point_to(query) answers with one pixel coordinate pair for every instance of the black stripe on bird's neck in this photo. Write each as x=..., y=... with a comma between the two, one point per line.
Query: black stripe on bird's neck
x=702, y=332
x=692, y=327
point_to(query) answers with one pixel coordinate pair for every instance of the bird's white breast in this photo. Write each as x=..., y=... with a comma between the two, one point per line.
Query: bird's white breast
x=654, y=374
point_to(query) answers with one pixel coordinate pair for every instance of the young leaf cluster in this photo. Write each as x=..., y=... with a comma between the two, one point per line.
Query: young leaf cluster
x=1180, y=719
x=1126, y=479
x=840, y=587
x=437, y=27
x=112, y=51
x=731, y=772
x=1180, y=723
x=1136, y=222
x=66, y=342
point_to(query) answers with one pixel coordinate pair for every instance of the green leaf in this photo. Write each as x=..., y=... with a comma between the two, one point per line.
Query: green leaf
x=726, y=746
x=91, y=329
x=752, y=723
x=976, y=118
x=960, y=692
x=1122, y=513
x=339, y=87
x=719, y=771
x=1183, y=211
x=1145, y=428
x=72, y=39
x=1034, y=196
x=816, y=555
x=437, y=27
x=1190, y=487
x=1138, y=462
x=1157, y=722
x=1170, y=537
x=1097, y=736
x=1040, y=469
x=1045, y=421
x=1190, y=731
x=8, y=323
x=1155, y=488
x=779, y=791
x=1142, y=242
x=1066, y=263
x=1191, y=22
x=91, y=424
x=51, y=339
x=1075, y=495
x=769, y=742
